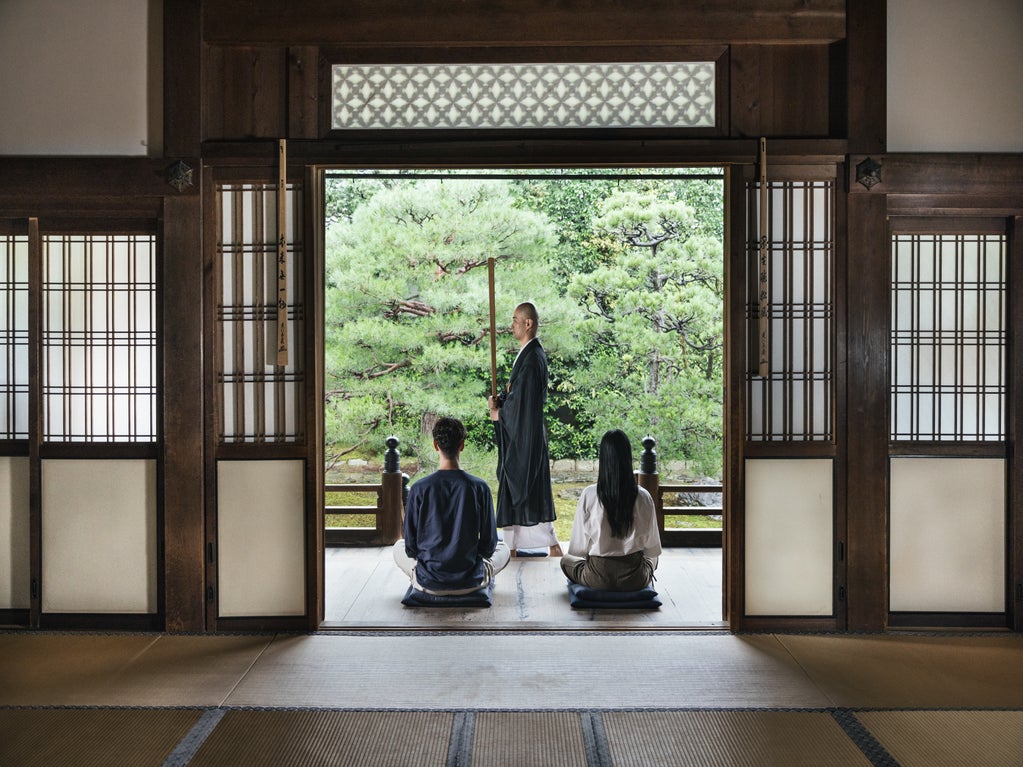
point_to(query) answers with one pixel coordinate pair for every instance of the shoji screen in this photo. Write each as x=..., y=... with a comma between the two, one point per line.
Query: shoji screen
x=99, y=406
x=260, y=427
x=14, y=392
x=789, y=434
x=948, y=421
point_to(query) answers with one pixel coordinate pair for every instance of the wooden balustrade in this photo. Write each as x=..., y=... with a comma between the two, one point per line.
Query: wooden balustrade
x=387, y=508
x=389, y=495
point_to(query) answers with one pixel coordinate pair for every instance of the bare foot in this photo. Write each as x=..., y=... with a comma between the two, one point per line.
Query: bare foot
x=556, y=550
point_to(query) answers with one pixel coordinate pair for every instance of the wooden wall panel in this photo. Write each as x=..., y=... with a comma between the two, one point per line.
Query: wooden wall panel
x=303, y=92
x=780, y=90
x=245, y=93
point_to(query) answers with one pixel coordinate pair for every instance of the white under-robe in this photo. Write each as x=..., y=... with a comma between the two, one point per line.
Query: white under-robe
x=541, y=536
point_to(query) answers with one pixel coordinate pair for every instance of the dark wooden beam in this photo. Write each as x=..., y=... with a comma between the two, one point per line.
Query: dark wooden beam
x=1014, y=495
x=948, y=175
x=867, y=73
x=520, y=152
x=521, y=22
x=867, y=300
x=181, y=338
x=31, y=182
x=182, y=83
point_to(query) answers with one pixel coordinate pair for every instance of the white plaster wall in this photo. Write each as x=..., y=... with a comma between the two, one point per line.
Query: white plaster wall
x=955, y=75
x=260, y=538
x=947, y=548
x=14, y=536
x=81, y=77
x=789, y=536
x=99, y=536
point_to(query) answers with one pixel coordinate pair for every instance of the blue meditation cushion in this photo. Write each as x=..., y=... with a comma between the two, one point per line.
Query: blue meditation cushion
x=545, y=552
x=483, y=597
x=583, y=597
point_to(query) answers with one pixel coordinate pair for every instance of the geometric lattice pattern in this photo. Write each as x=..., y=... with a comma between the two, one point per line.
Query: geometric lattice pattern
x=99, y=338
x=795, y=400
x=13, y=337
x=258, y=400
x=589, y=95
x=948, y=337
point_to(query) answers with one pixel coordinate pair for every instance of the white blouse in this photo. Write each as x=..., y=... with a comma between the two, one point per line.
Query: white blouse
x=591, y=534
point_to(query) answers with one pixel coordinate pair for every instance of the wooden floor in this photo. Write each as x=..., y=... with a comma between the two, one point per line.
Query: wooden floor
x=364, y=589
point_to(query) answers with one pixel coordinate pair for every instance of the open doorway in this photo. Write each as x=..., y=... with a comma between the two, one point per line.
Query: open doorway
x=626, y=268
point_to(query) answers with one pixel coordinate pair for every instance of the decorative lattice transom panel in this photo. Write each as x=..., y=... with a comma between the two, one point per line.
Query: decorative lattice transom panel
x=948, y=337
x=13, y=337
x=795, y=400
x=259, y=401
x=99, y=338
x=482, y=96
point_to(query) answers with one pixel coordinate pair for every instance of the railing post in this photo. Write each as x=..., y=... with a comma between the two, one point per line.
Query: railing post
x=648, y=478
x=389, y=513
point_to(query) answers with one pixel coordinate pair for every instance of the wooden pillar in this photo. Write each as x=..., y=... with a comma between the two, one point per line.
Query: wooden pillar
x=389, y=515
x=648, y=478
x=867, y=407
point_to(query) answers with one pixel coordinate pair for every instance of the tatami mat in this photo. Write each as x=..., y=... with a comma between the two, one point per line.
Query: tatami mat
x=913, y=671
x=505, y=671
x=729, y=738
x=949, y=738
x=327, y=738
x=123, y=669
x=91, y=737
x=534, y=738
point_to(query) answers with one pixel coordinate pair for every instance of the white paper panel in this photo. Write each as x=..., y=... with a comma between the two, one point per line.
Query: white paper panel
x=947, y=551
x=14, y=552
x=261, y=538
x=789, y=537
x=99, y=536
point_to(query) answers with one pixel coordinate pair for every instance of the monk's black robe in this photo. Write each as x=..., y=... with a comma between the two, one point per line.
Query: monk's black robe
x=524, y=495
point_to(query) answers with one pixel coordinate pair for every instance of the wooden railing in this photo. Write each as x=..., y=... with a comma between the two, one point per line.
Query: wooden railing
x=386, y=503
x=696, y=537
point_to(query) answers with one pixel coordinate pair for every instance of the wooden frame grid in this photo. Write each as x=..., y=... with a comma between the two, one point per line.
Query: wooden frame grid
x=99, y=338
x=258, y=401
x=948, y=337
x=14, y=337
x=795, y=401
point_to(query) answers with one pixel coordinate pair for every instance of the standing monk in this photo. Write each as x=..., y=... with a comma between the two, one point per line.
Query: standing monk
x=525, y=504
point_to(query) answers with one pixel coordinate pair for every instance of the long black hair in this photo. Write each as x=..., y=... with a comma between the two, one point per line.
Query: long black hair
x=616, y=484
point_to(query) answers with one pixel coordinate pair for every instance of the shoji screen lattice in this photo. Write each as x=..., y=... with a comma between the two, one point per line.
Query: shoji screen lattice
x=948, y=337
x=99, y=338
x=794, y=402
x=259, y=401
x=14, y=342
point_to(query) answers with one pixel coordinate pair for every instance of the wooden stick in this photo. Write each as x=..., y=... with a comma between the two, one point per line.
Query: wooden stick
x=493, y=329
x=282, y=253
x=763, y=287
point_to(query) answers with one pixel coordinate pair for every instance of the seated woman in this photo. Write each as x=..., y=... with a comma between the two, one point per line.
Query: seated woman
x=615, y=542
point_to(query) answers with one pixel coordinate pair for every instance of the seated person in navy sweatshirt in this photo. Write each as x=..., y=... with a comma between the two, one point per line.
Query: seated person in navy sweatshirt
x=450, y=544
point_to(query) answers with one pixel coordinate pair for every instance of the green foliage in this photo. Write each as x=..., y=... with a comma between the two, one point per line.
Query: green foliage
x=627, y=275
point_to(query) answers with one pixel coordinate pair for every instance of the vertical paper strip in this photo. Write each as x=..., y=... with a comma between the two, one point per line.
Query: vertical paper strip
x=763, y=293
x=282, y=254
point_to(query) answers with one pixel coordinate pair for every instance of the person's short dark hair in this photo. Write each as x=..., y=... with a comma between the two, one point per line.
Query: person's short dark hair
x=528, y=308
x=448, y=433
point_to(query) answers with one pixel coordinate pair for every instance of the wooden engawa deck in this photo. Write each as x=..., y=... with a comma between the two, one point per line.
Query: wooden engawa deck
x=364, y=589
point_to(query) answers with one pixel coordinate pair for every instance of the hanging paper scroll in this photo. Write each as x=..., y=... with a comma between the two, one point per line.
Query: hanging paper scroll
x=763, y=291
x=282, y=254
